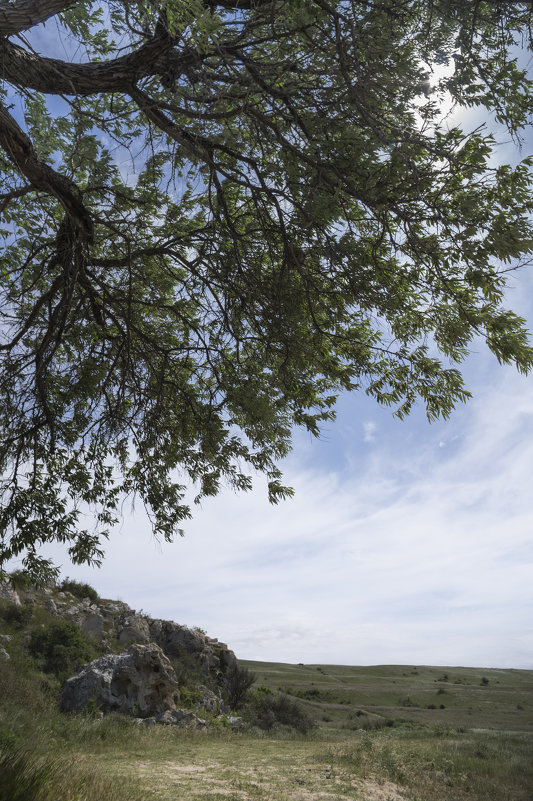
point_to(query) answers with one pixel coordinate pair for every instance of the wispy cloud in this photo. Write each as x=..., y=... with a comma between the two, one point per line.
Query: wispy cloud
x=369, y=429
x=423, y=554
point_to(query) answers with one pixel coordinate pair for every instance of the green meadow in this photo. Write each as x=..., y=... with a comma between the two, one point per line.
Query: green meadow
x=351, y=698
x=385, y=733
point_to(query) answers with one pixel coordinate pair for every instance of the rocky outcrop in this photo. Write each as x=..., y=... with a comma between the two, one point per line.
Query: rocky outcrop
x=139, y=681
x=133, y=628
x=7, y=593
x=214, y=657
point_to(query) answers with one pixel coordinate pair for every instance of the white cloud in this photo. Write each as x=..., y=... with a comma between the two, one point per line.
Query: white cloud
x=369, y=429
x=423, y=555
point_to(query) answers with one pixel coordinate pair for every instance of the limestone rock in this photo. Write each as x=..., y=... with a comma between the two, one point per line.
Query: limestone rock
x=176, y=640
x=209, y=701
x=133, y=628
x=7, y=593
x=4, y=656
x=51, y=607
x=92, y=624
x=140, y=680
x=180, y=717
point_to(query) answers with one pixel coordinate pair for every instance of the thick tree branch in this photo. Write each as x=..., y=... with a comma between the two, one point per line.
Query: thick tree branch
x=19, y=148
x=52, y=76
x=16, y=17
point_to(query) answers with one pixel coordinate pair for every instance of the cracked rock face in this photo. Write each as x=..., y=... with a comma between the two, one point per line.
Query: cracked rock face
x=139, y=681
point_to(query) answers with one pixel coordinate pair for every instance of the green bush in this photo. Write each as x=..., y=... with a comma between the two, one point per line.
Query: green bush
x=238, y=683
x=16, y=616
x=188, y=671
x=268, y=710
x=61, y=648
x=78, y=589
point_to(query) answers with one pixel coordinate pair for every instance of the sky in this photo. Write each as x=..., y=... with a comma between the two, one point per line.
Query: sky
x=405, y=543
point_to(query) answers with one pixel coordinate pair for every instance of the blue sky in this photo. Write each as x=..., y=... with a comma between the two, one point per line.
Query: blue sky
x=406, y=543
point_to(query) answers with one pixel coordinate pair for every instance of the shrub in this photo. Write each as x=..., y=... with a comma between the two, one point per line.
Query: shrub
x=309, y=695
x=15, y=615
x=61, y=647
x=78, y=589
x=267, y=710
x=406, y=702
x=238, y=682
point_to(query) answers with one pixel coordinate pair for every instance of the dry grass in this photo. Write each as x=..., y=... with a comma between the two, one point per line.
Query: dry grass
x=387, y=765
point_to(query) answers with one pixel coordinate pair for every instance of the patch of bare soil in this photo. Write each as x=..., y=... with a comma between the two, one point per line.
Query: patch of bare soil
x=262, y=781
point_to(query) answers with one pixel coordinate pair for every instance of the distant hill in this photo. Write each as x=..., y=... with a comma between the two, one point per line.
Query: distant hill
x=345, y=697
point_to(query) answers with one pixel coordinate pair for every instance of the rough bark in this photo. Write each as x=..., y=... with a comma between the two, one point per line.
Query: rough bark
x=25, y=14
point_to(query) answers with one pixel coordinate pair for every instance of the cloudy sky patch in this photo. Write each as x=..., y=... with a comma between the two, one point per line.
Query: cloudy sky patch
x=404, y=553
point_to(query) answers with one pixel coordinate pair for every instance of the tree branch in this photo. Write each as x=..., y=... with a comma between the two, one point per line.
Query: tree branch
x=52, y=76
x=16, y=17
x=19, y=149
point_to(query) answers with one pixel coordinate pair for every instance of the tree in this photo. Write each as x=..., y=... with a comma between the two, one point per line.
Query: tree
x=238, y=682
x=217, y=215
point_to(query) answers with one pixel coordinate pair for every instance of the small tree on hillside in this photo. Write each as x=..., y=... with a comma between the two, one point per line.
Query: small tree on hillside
x=238, y=682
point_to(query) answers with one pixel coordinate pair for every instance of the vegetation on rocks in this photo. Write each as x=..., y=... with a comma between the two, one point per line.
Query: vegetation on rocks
x=79, y=589
x=310, y=731
x=61, y=648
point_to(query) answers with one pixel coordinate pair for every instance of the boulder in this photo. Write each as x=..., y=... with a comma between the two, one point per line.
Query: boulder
x=209, y=701
x=93, y=625
x=140, y=681
x=4, y=656
x=51, y=607
x=133, y=628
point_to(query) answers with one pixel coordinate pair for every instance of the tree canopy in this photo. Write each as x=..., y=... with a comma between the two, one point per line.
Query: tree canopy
x=217, y=215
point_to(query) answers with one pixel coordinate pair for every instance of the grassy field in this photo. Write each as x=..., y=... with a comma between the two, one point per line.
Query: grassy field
x=358, y=697
x=116, y=760
x=384, y=733
x=368, y=746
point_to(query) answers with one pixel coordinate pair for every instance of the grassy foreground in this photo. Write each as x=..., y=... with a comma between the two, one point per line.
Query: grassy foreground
x=116, y=760
x=349, y=757
x=386, y=733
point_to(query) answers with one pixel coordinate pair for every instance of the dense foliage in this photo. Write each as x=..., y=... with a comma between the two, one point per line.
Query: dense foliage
x=61, y=648
x=79, y=589
x=268, y=710
x=238, y=683
x=216, y=215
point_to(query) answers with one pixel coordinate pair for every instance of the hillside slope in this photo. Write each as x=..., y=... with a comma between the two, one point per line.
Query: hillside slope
x=367, y=697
